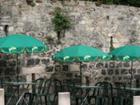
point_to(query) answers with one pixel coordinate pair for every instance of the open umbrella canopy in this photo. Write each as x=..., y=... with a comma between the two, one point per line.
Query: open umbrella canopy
x=79, y=53
x=20, y=43
x=126, y=53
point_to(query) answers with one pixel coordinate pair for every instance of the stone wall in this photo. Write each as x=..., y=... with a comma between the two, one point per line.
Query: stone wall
x=89, y=21
x=92, y=25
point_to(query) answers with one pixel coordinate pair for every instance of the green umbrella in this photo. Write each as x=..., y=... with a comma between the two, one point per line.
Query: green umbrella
x=127, y=53
x=79, y=53
x=20, y=43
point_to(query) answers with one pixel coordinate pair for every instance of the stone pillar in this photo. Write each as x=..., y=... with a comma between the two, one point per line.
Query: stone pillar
x=2, y=96
x=64, y=98
x=136, y=100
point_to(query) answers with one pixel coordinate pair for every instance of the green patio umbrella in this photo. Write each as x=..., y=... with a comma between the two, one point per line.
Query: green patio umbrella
x=79, y=53
x=127, y=53
x=21, y=43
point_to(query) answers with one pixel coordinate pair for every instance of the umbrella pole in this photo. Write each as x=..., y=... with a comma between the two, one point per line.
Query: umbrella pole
x=17, y=76
x=80, y=73
x=131, y=81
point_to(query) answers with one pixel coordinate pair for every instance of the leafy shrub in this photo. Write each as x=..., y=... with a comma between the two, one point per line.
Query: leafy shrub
x=61, y=22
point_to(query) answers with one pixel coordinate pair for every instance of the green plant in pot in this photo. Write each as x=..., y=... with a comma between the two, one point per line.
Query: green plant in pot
x=98, y=2
x=61, y=23
x=31, y=2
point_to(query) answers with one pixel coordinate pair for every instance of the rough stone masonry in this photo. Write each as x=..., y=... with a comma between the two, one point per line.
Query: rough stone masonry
x=92, y=25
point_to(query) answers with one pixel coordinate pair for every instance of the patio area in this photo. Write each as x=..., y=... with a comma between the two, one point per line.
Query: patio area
x=71, y=83
x=53, y=92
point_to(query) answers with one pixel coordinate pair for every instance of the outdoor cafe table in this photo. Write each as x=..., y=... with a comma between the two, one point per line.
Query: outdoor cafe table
x=19, y=87
x=92, y=87
x=133, y=90
x=86, y=88
x=18, y=84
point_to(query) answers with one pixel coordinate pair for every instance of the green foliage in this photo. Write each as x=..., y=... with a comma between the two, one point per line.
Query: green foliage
x=122, y=2
x=134, y=2
x=128, y=2
x=60, y=21
x=31, y=2
x=108, y=1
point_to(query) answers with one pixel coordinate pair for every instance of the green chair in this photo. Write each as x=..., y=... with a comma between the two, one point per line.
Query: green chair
x=69, y=86
x=46, y=92
x=34, y=96
x=10, y=95
x=85, y=97
x=58, y=85
x=103, y=95
x=77, y=94
x=122, y=96
x=55, y=86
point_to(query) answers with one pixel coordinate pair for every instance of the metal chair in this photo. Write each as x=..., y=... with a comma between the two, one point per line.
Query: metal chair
x=46, y=92
x=121, y=95
x=103, y=94
x=75, y=93
x=34, y=96
x=10, y=95
x=55, y=86
x=78, y=94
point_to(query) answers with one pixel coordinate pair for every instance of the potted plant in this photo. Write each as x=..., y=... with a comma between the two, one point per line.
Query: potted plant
x=31, y=2
x=61, y=23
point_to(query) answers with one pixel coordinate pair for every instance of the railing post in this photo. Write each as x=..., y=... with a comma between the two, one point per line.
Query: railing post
x=64, y=98
x=2, y=96
x=136, y=100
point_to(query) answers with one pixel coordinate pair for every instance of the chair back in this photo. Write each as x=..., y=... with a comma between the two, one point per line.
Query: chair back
x=104, y=89
x=52, y=86
x=120, y=89
x=57, y=85
x=38, y=88
x=68, y=85
x=51, y=89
